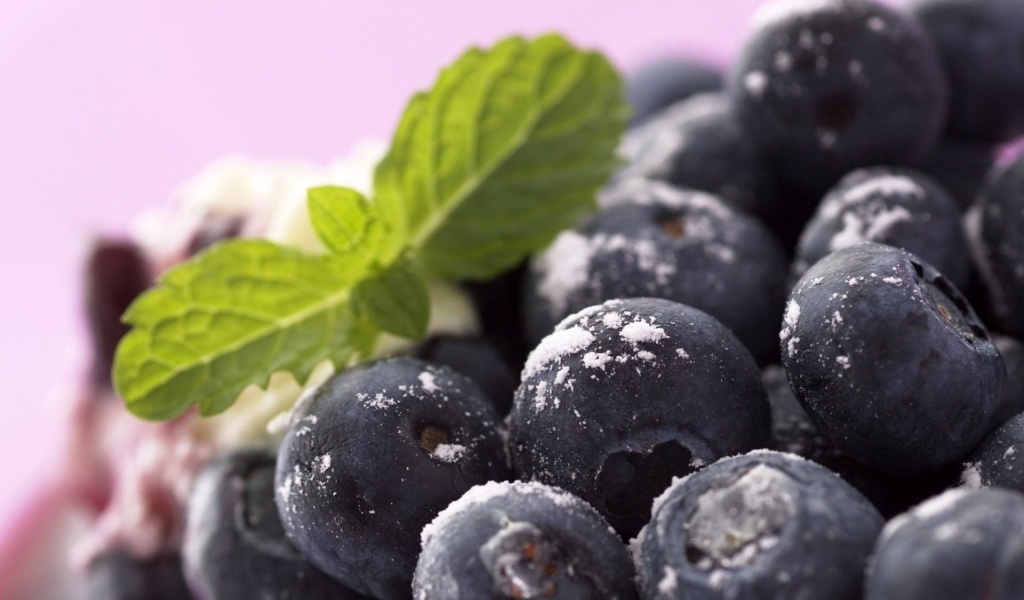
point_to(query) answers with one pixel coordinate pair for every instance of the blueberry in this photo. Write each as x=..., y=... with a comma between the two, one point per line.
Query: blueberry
x=477, y=359
x=960, y=168
x=372, y=456
x=697, y=144
x=998, y=246
x=117, y=575
x=521, y=540
x=115, y=274
x=1011, y=399
x=657, y=241
x=660, y=83
x=763, y=526
x=793, y=432
x=828, y=86
x=893, y=206
x=961, y=544
x=982, y=50
x=999, y=458
x=498, y=302
x=235, y=545
x=624, y=396
x=889, y=360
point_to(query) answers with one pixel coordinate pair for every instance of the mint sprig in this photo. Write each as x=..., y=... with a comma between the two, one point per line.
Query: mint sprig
x=506, y=150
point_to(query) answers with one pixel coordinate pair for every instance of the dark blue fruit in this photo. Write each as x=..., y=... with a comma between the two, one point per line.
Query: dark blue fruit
x=658, y=84
x=889, y=360
x=825, y=87
x=960, y=168
x=697, y=144
x=117, y=575
x=764, y=526
x=521, y=540
x=235, y=546
x=999, y=458
x=794, y=432
x=959, y=545
x=981, y=43
x=624, y=396
x=1011, y=399
x=477, y=359
x=893, y=206
x=998, y=246
x=372, y=456
x=657, y=241
x=498, y=302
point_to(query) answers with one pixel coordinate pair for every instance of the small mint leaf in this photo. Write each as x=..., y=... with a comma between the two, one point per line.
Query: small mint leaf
x=396, y=300
x=346, y=223
x=508, y=149
x=230, y=317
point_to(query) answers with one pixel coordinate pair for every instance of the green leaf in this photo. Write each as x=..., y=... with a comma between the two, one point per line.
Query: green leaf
x=347, y=224
x=507, y=149
x=230, y=317
x=396, y=300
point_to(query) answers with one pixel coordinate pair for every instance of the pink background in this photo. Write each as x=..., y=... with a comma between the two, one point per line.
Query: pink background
x=105, y=107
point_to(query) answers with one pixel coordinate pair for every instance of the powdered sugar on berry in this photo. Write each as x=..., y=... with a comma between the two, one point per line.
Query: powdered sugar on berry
x=555, y=347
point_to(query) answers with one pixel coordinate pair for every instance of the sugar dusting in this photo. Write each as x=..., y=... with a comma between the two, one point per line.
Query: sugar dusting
x=449, y=453
x=564, y=268
x=586, y=344
x=641, y=331
x=429, y=383
x=553, y=348
x=482, y=494
x=377, y=401
x=790, y=319
x=970, y=477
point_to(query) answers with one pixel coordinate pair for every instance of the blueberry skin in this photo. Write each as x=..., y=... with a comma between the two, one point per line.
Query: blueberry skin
x=982, y=50
x=477, y=359
x=117, y=575
x=889, y=360
x=1011, y=399
x=998, y=246
x=960, y=168
x=657, y=241
x=999, y=458
x=793, y=432
x=894, y=206
x=666, y=81
x=762, y=526
x=372, y=456
x=697, y=144
x=498, y=302
x=521, y=540
x=623, y=396
x=959, y=545
x=825, y=87
x=234, y=544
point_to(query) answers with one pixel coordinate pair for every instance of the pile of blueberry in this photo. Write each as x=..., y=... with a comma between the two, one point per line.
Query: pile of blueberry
x=781, y=362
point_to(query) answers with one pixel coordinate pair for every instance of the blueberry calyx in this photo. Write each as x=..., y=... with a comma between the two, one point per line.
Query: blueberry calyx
x=629, y=480
x=526, y=563
x=735, y=521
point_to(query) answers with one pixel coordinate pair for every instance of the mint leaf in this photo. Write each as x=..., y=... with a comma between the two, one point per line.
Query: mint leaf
x=396, y=300
x=347, y=224
x=228, y=319
x=507, y=149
